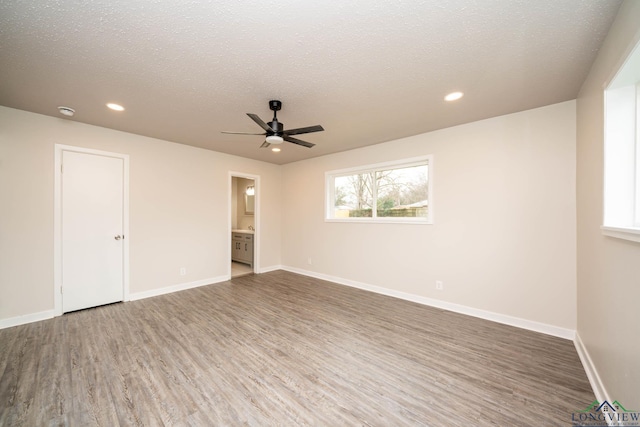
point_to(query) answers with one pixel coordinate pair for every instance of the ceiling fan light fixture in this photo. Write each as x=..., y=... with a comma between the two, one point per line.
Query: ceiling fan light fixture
x=274, y=139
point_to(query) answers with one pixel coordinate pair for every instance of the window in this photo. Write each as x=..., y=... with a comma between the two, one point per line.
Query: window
x=622, y=152
x=385, y=192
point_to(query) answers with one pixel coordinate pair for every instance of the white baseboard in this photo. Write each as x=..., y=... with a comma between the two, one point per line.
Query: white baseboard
x=49, y=314
x=175, y=288
x=27, y=318
x=270, y=268
x=592, y=374
x=458, y=308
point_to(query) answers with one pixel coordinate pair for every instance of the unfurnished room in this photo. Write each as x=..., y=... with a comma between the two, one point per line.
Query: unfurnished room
x=279, y=213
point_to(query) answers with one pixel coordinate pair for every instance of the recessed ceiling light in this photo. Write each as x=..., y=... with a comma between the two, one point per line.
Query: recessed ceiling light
x=275, y=149
x=66, y=111
x=453, y=96
x=115, y=107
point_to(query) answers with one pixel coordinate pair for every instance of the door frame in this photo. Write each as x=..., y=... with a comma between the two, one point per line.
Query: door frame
x=57, y=220
x=256, y=219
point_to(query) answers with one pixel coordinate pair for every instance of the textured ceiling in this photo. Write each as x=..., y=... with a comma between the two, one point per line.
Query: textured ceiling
x=368, y=71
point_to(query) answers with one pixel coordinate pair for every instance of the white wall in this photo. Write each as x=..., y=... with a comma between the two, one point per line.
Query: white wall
x=504, y=232
x=608, y=268
x=179, y=208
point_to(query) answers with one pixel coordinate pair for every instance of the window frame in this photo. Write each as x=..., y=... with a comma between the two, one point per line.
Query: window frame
x=637, y=168
x=329, y=193
x=621, y=198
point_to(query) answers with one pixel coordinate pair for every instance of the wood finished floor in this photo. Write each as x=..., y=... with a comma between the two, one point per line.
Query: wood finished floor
x=283, y=349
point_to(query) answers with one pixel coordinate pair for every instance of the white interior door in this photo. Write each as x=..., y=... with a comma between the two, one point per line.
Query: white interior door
x=92, y=230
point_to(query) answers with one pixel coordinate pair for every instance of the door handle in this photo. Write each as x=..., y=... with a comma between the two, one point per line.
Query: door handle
x=118, y=237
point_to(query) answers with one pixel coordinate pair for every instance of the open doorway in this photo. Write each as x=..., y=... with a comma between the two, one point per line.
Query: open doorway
x=244, y=221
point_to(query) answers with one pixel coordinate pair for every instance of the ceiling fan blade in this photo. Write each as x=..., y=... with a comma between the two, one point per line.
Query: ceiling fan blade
x=265, y=144
x=260, y=123
x=298, y=141
x=308, y=129
x=242, y=133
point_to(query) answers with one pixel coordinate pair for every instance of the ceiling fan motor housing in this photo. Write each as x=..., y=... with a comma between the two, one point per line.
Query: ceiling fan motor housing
x=275, y=105
x=277, y=127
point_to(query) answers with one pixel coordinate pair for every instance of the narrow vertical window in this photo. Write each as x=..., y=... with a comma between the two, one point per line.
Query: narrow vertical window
x=622, y=151
x=637, y=165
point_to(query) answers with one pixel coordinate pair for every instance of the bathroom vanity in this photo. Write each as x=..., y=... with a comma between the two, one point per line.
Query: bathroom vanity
x=242, y=246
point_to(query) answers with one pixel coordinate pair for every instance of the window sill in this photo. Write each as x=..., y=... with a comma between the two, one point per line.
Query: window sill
x=379, y=221
x=626, y=233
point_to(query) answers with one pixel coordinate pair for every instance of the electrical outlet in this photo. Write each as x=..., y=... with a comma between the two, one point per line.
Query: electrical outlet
x=439, y=285
x=309, y=261
x=183, y=271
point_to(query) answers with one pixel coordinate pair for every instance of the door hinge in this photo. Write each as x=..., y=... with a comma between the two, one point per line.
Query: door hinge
x=61, y=290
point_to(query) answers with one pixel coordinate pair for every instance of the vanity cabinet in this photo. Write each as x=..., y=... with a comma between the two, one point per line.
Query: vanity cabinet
x=242, y=248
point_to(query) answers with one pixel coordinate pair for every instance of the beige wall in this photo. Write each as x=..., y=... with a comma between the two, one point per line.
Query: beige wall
x=503, y=241
x=504, y=210
x=243, y=221
x=234, y=203
x=179, y=208
x=608, y=268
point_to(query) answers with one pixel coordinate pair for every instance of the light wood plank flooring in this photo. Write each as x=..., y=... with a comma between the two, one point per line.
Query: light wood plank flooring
x=283, y=349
